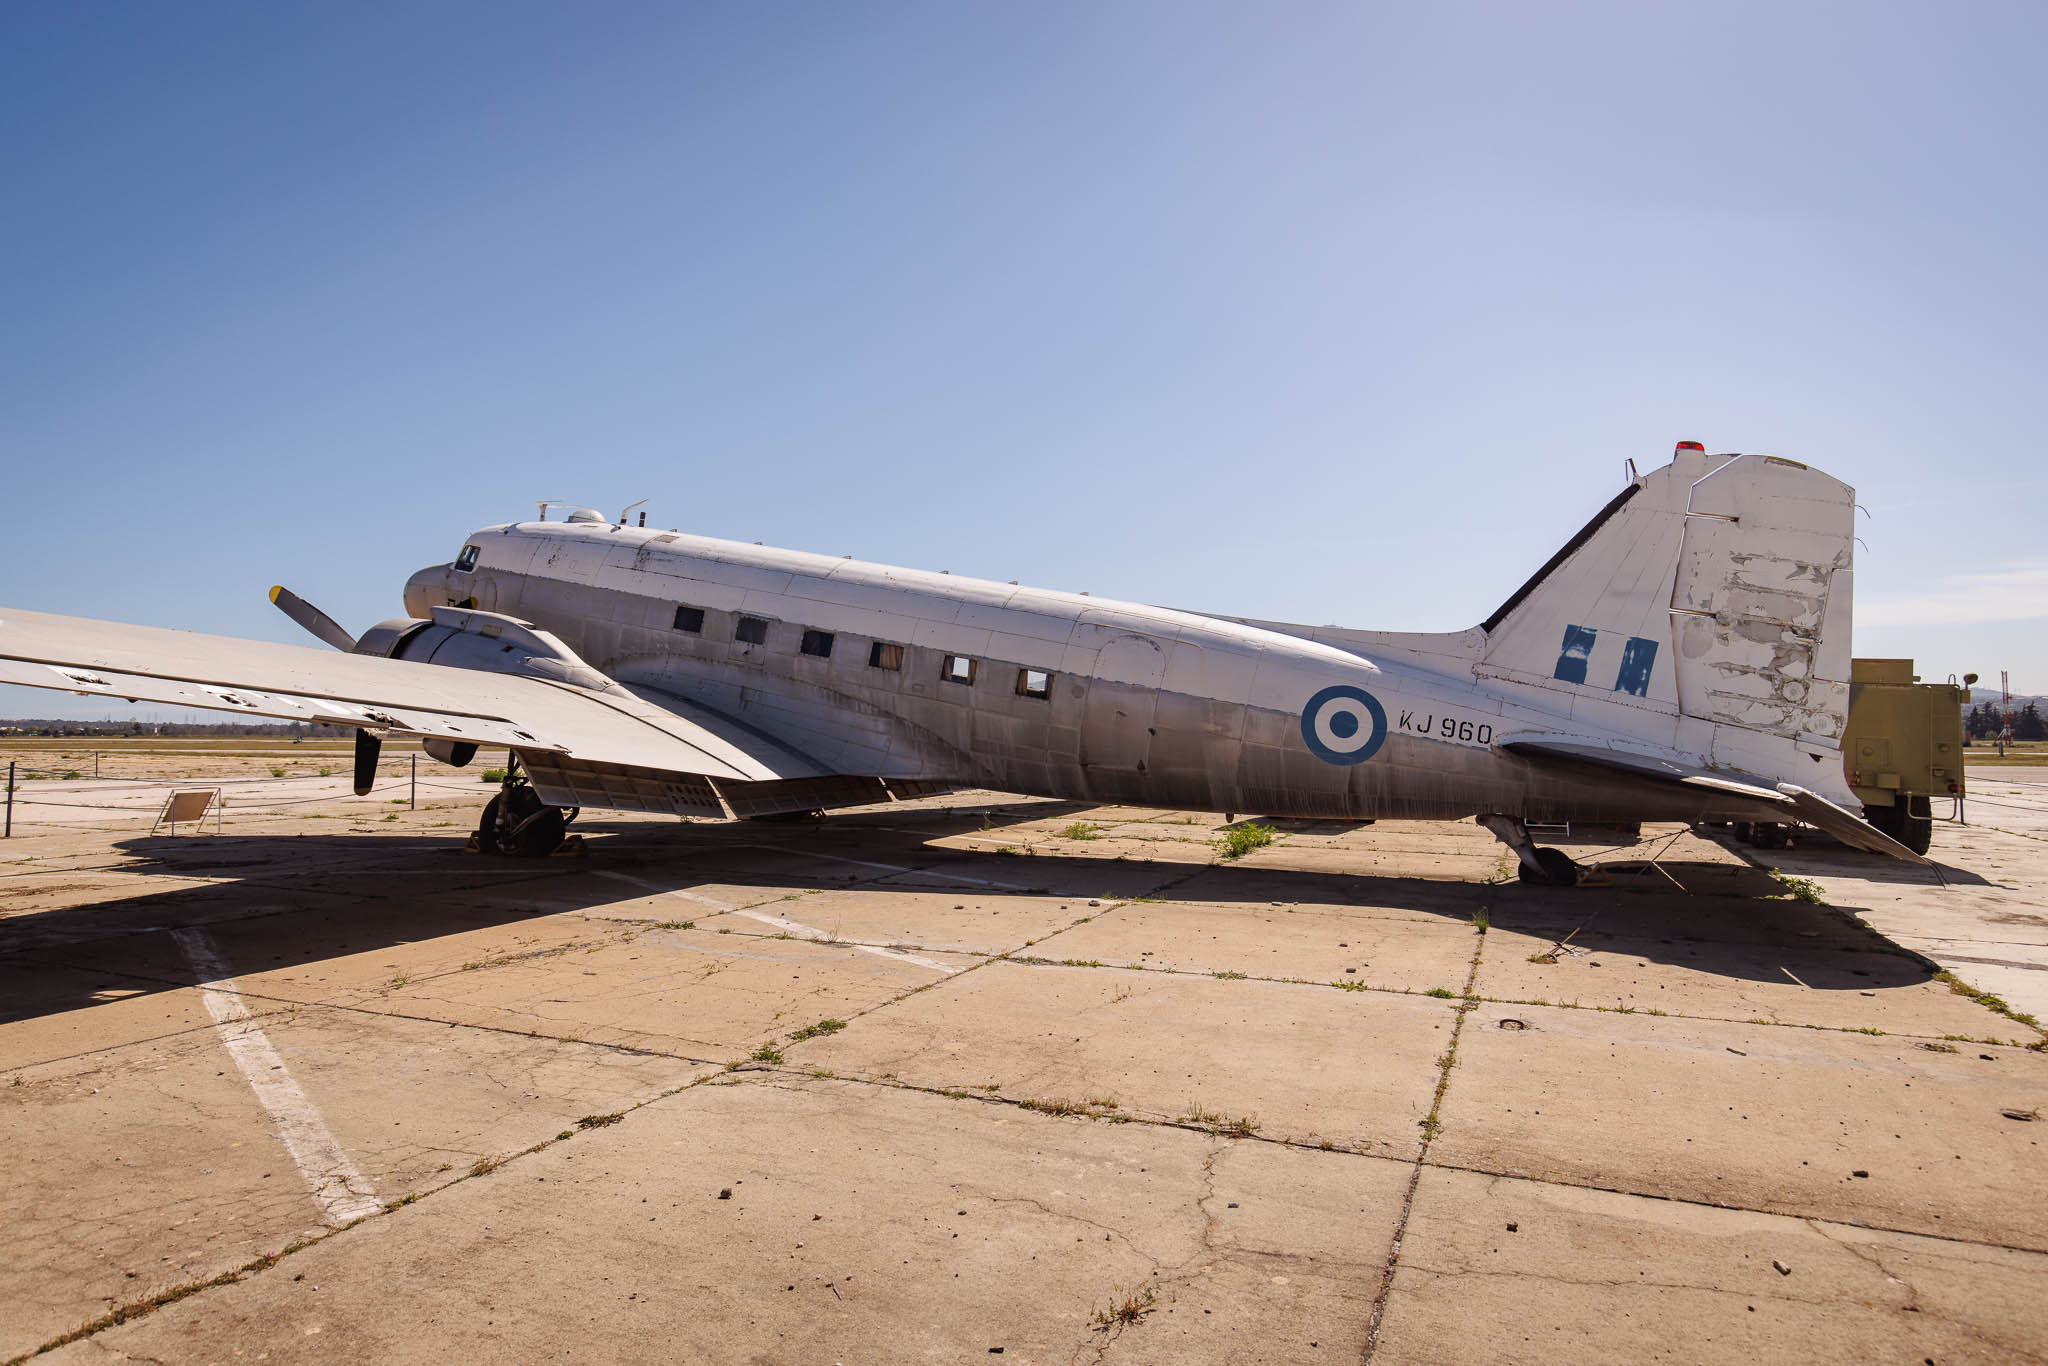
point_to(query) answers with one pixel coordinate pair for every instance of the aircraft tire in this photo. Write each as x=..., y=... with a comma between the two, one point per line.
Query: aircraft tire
x=1558, y=870
x=1768, y=835
x=487, y=827
x=540, y=834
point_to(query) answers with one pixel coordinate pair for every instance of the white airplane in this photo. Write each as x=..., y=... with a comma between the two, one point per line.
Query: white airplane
x=1684, y=657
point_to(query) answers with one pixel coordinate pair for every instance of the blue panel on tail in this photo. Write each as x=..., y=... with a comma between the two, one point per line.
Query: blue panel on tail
x=1637, y=658
x=1577, y=649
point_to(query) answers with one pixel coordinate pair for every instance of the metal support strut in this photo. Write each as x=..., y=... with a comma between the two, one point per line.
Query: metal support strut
x=1552, y=867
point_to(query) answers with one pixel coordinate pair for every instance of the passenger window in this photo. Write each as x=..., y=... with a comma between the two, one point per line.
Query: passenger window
x=466, y=561
x=957, y=669
x=750, y=631
x=1034, y=683
x=690, y=619
x=884, y=656
x=817, y=643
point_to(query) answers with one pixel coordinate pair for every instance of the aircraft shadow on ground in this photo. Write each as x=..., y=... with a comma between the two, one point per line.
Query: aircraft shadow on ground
x=281, y=902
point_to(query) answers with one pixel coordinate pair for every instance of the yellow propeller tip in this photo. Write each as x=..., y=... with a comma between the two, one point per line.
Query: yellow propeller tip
x=275, y=589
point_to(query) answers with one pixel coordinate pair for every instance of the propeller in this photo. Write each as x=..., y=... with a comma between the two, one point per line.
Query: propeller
x=368, y=746
x=312, y=618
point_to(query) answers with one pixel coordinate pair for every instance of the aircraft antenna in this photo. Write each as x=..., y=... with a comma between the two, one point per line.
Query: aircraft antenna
x=545, y=503
x=629, y=509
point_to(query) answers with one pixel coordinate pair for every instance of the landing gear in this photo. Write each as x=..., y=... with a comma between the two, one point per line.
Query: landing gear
x=1914, y=829
x=517, y=821
x=1542, y=867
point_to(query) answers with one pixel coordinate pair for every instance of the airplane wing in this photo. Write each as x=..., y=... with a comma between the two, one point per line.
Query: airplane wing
x=1804, y=805
x=575, y=726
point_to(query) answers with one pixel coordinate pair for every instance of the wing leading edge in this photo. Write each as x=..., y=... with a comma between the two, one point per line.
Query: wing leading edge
x=299, y=683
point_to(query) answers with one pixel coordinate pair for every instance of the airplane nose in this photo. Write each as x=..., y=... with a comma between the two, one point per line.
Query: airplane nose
x=427, y=590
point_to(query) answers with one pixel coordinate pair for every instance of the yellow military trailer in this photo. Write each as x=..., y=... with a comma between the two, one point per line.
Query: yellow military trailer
x=1903, y=747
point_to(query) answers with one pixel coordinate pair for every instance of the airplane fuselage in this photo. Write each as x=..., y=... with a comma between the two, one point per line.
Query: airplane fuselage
x=901, y=673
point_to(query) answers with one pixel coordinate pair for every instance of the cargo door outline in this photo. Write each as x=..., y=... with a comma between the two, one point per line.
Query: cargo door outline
x=1116, y=723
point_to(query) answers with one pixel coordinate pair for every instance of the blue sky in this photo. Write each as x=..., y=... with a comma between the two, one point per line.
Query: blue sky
x=1338, y=313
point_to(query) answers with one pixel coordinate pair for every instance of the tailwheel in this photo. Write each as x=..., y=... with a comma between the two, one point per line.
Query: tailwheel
x=1557, y=870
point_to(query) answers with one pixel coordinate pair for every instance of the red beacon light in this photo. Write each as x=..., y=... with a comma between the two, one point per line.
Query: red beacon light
x=1692, y=446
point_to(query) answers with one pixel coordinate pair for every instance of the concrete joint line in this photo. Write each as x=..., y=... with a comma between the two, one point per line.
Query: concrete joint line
x=342, y=1192
x=1465, y=1007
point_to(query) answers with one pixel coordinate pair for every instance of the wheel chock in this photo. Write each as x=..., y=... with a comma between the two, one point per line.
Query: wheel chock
x=472, y=845
x=571, y=847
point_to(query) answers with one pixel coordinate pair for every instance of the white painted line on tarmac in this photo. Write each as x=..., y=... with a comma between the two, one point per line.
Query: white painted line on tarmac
x=788, y=926
x=616, y=876
x=887, y=867
x=879, y=950
x=342, y=1192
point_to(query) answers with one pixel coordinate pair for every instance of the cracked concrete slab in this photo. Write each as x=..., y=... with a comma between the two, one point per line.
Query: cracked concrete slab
x=969, y=921
x=151, y=1165
x=1692, y=969
x=863, y=1224
x=696, y=993
x=1812, y=1122
x=1388, y=948
x=1501, y=1270
x=1285, y=1056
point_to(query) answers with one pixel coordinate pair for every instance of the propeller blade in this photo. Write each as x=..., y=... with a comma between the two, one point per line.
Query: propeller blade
x=312, y=618
x=367, y=747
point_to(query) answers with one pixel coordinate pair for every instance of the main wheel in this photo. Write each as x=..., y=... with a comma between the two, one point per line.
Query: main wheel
x=487, y=826
x=533, y=829
x=1769, y=835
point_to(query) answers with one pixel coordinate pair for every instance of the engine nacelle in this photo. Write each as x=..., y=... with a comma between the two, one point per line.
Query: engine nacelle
x=466, y=638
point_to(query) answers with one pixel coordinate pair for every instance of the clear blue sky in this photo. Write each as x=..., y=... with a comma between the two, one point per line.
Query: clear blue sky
x=1341, y=313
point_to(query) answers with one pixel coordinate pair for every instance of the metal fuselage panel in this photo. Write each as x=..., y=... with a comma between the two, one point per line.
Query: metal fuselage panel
x=1145, y=705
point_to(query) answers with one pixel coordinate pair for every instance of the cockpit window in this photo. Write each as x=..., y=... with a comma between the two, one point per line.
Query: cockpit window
x=466, y=561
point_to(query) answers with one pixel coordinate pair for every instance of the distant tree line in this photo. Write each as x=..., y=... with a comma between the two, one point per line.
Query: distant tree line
x=1984, y=721
x=227, y=729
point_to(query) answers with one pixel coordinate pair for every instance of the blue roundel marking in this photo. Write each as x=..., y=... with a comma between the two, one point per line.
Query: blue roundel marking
x=1344, y=725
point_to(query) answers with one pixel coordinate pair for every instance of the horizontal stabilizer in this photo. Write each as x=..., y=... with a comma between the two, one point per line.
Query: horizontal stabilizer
x=1823, y=814
x=1642, y=765
x=1807, y=806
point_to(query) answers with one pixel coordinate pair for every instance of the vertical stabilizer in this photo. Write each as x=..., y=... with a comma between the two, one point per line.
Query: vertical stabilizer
x=1715, y=590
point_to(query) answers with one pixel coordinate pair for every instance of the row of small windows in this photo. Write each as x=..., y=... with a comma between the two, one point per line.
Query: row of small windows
x=881, y=654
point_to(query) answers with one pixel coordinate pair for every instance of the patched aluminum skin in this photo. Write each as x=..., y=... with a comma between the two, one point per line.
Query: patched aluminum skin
x=1705, y=615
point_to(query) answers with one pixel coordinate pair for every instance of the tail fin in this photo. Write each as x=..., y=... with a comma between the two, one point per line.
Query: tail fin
x=1714, y=590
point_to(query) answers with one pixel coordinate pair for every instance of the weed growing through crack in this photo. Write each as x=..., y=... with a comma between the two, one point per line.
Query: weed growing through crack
x=1081, y=830
x=1349, y=986
x=1801, y=888
x=1242, y=839
x=600, y=1121
x=812, y=1031
x=1984, y=998
x=1244, y=1126
x=1229, y=976
x=1482, y=921
x=1441, y=993
x=1119, y=1315
x=765, y=1053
